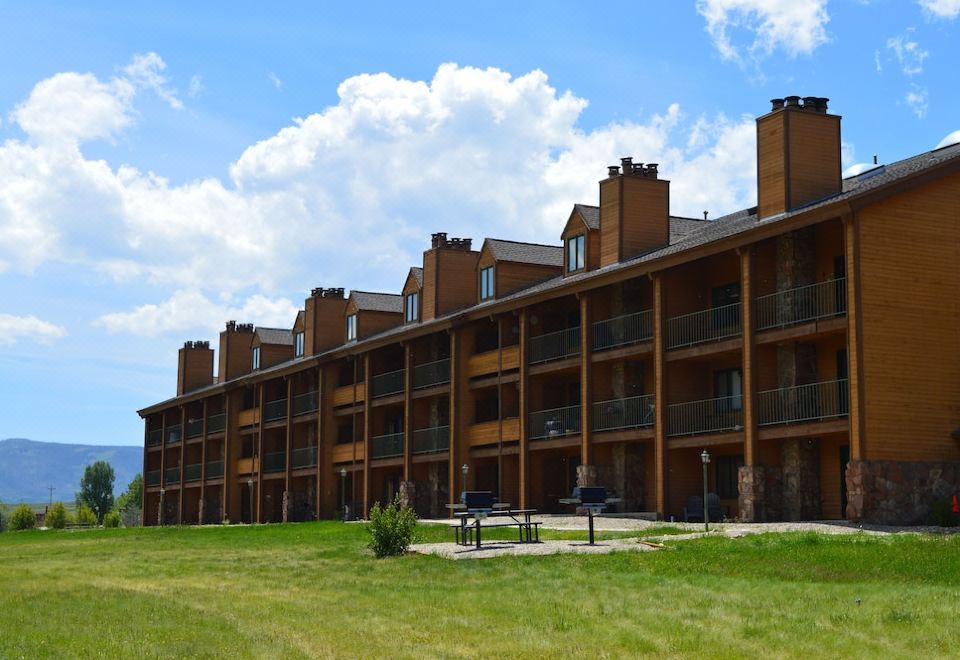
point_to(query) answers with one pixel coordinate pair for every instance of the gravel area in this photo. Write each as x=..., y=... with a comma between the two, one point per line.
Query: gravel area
x=505, y=548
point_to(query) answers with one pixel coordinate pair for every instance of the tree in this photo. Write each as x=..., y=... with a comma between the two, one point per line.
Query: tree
x=129, y=503
x=56, y=516
x=23, y=518
x=96, y=488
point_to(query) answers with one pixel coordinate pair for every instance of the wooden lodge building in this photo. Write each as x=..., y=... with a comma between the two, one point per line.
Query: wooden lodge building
x=809, y=343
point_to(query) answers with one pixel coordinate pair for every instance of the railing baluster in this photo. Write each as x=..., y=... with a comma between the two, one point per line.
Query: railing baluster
x=554, y=423
x=802, y=304
x=706, y=325
x=555, y=345
x=803, y=403
x=632, y=412
x=705, y=416
x=622, y=330
x=388, y=383
x=386, y=446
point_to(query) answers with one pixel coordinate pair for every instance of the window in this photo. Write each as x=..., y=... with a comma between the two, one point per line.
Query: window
x=256, y=358
x=413, y=307
x=728, y=468
x=351, y=327
x=576, y=258
x=727, y=387
x=486, y=283
x=298, y=344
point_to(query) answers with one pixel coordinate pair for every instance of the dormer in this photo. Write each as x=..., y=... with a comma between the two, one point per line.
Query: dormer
x=508, y=266
x=269, y=347
x=323, y=320
x=370, y=313
x=299, y=335
x=194, y=366
x=413, y=296
x=235, y=357
x=448, y=271
x=634, y=211
x=581, y=240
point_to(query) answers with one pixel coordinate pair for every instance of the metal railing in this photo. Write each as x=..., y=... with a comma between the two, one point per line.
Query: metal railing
x=153, y=477
x=155, y=437
x=430, y=441
x=214, y=469
x=173, y=434
x=630, y=413
x=171, y=475
x=304, y=457
x=555, y=345
x=707, y=416
x=386, y=446
x=623, y=330
x=388, y=383
x=554, y=423
x=306, y=403
x=274, y=410
x=803, y=403
x=275, y=461
x=193, y=472
x=431, y=373
x=706, y=325
x=802, y=304
x=194, y=428
x=216, y=423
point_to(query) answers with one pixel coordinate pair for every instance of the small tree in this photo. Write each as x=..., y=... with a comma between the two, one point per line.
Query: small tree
x=96, y=488
x=85, y=516
x=391, y=528
x=57, y=516
x=112, y=519
x=129, y=503
x=23, y=518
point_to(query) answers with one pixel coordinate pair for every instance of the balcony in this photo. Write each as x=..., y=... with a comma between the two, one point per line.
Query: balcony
x=431, y=441
x=214, y=469
x=489, y=362
x=304, y=457
x=623, y=330
x=216, y=423
x=555, y=345
x=154, y=437
x=388, y=383
x=171, y=475
x=630, y=413
x=804, y=403
x=153, y=477
x=489, y=433
x=554, y=423
x=274, y=410
x=274, y=462
x=431, y=373
x=386, y=446
x=173, y=434
x=307, y=402
x=194, y=428
x=706, y=325
x=707, y=416
x=247, y=465
x=802, y=304
x=193, y=472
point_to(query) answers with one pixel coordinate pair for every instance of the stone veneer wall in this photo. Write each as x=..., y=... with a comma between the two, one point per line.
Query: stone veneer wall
x=898, y=492
x=761, y=493
x=801, y=479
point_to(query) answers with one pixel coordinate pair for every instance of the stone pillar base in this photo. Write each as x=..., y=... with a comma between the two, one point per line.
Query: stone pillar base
x=160, y=519
x=586, y=476
x=760, y=493
x=285, y=504
x=200, y=508
x=899, y=492
x=408, y=494
x=800, y=458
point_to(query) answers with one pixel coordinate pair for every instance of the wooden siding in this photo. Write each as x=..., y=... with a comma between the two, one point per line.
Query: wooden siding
x=370, y=323
x=234, y=359
x=485, y=363
x=830, y=477
x=343, y=396
x=324, y=324
x=771, y=164
x=610, y=193
x=457, y=288
x=194, y=369
x=247, y=465
x=645, y=216
x=248, y=417
x=511, y=276
x=344, y=453
x=910, y=315
x=273, y=354
x=814, y=153
x=486, y=433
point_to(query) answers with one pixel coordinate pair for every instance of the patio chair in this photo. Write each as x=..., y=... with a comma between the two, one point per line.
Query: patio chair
x=714, y=508
x=693, y=511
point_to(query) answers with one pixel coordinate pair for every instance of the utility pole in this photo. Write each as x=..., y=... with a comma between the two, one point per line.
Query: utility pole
x=51, y=489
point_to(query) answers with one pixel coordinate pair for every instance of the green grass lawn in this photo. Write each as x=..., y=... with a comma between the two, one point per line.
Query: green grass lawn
x=312, y=589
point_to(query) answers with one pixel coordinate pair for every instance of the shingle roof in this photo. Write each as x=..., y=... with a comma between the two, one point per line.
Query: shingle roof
x=378, y=302
x=275, y=336
x=526, y=253
x=590, y=215
x=417, y=273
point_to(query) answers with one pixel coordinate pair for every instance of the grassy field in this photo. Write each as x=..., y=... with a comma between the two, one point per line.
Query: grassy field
x=313, y=590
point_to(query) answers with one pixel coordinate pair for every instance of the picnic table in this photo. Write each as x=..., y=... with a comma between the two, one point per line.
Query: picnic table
x=481, y=505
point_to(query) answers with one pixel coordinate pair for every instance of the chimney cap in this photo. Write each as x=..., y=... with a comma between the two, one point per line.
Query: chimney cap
x=613, y=170
x=776, y=103
x=792, y=101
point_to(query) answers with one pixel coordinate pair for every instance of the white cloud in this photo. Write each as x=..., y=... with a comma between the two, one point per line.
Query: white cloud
x=796, y=26
x=146, y=72
x=948, y=9
x=195, y=88
x=275, y=80
x=16, y=328
x=918, y=99
x=908, y=52
x=876, y=61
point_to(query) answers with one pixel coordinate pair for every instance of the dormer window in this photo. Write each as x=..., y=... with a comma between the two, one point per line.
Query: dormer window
x=486, y=283
x=352, y=327
x=256, y=358
x=412, y=306
x=298, y=344
x=576, y=253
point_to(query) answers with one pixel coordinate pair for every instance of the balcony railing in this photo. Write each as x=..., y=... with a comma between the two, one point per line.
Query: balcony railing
x=630, y=413
x=172, y=475
x=153, y=477
x=430, y=441
x=803, y=403
x=555, y=345
x=386, y=446
x=216, y=423
x=706, y=325
x=154, y=437
x=193, y=472
x=802, y=304
x=173, y=434
x=554, y=423
x=431, y=373
x=275, y=461
x=274, y=410
x=304, y=457
x=214, y=469
x=194, y=428
x=707, y=416
x=306, y=403
x=388, y=383
x=623, y=330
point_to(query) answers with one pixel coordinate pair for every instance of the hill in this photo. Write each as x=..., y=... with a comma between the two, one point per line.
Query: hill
x=28, y=467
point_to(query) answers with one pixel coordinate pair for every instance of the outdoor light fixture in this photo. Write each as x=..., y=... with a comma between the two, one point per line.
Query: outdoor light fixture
x=343, y=492
x=465, y=469
x=705, y=459
x=250, y=487
x=160, y=512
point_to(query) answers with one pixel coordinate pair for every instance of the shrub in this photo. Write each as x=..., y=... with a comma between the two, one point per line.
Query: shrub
x=112, y=519
x=57, y=516
x=391, y=528
x=85, y=515
x=23, y=518
x=942, y=515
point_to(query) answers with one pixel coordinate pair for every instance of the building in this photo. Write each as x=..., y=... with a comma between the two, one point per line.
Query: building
x=809, y=343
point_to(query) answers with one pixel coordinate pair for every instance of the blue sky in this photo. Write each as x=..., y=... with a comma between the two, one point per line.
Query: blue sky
x=164, y=171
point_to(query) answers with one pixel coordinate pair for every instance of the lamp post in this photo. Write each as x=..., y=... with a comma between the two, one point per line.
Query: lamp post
x=465, y=469
x=343, y=492
x=250, y=488
x=705, y=459
x=160, y=515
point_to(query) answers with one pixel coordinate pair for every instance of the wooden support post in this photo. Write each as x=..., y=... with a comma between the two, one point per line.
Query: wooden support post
x=407, y=411
x=229, y=470
x=323, y=447
x=586, y=382
x=367, y=421
x=851, y=226
x=146, y=455
x=285, y=502
x=749, y=381
x=203, y=468
x=259, y=459
x=163, y=468
x=660, y=391
x=454, y=453
x=524, y=454
x=183, y=447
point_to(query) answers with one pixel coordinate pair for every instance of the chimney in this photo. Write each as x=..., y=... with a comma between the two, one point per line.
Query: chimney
x=194, y=366
x=634, y=211
x=798, y=154
x=323, y=320
x=449, y=276
x=235, y=357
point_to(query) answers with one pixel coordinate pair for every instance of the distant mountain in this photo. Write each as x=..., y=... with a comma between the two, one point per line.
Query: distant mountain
x=28, y=467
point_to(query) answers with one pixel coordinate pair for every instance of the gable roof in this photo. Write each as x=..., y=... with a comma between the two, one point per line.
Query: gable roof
x=417, y=273
x=377, y=302
x=590, y=215
x=275, y=336
x=525, y=253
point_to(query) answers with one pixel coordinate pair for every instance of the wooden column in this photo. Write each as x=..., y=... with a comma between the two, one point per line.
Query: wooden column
x=408, y=411
x=146, y=455
x=229, y=470
x=203, y=467
x=454, y=451
x=660, y=392
x=586, y=382
x=322, y=449
x=259, y=455
x=523, y=456
x=183, y=447
x=851, y=225
x=749, y=382
x=367, y=419
x=288, y=457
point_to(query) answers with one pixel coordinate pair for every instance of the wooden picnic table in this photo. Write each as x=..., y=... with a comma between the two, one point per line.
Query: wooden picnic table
x=529, y=531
